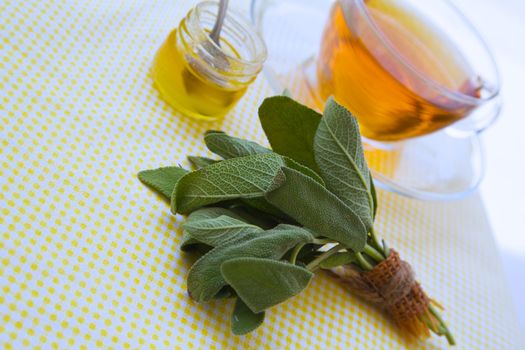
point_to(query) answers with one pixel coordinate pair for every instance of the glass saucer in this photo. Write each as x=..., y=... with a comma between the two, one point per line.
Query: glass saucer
x=439, y=166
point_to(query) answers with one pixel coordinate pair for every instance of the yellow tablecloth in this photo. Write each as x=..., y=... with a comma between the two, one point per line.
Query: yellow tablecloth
x=89, y=257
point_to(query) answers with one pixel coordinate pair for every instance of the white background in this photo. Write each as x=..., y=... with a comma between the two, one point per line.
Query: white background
x=502, y=23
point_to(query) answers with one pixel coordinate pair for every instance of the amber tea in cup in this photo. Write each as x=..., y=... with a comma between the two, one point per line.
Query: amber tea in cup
x=399, y=74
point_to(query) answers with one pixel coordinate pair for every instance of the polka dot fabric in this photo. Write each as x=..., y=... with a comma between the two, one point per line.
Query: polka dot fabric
x=89, y=257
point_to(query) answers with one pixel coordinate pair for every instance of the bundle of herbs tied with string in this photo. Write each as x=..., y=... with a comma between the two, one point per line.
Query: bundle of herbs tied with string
x=266, y=220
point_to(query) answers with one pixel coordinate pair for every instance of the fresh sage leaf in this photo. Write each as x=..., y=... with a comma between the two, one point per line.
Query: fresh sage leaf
x=243, y=319
x=212, y=213
x=263, y=283
x=317, y=209
x=188, y=243
x=262, y=205
x=337, y=259
x=205, y=279
x=232, y=147
x=201, y=162
x=290, y=128
x=243, y=177
x=162, y=180
x=254, y=216
x=211, y=131
x=220, y=231
x=339, y=154
x=292, y=164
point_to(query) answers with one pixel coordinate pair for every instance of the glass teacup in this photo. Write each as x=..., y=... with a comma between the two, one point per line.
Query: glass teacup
x=417, y=75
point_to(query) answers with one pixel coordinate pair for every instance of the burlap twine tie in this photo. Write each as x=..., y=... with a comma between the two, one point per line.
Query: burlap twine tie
x=391, y=286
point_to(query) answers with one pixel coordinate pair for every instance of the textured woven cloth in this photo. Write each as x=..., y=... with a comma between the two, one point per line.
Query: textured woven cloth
x=89, y=257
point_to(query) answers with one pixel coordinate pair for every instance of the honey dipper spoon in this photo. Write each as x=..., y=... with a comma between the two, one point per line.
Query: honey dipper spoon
x=216, y=31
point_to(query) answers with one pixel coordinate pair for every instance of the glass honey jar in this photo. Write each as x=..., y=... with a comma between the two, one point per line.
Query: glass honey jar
x=200, y=78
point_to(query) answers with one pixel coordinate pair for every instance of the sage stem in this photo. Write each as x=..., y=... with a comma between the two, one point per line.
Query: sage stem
x=376, y=242
x=446, y=331
x=295, y=252
x=374, y=254
x=362, y=262
x=314, y=264
x=323, y=241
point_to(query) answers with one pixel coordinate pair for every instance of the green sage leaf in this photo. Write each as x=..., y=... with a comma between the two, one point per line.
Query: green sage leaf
x=188, y=243
x=290, y=128
x=339, y=154
x=201, y=162
x=211, y=131
x=317, y=209
x=205, y=279
x=244, y=177
x=263, y=283
x=292, y=164
x=162, y=180
x=212, y=213
x=231, y=147
x=220, y=231
x=260, y=204
x=243, y=319
x=254, y=216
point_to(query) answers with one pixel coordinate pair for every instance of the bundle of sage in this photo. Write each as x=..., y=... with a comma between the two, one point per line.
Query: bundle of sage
x=265, y=220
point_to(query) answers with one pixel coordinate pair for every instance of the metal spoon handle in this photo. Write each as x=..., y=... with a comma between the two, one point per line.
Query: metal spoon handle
x=216, y=31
